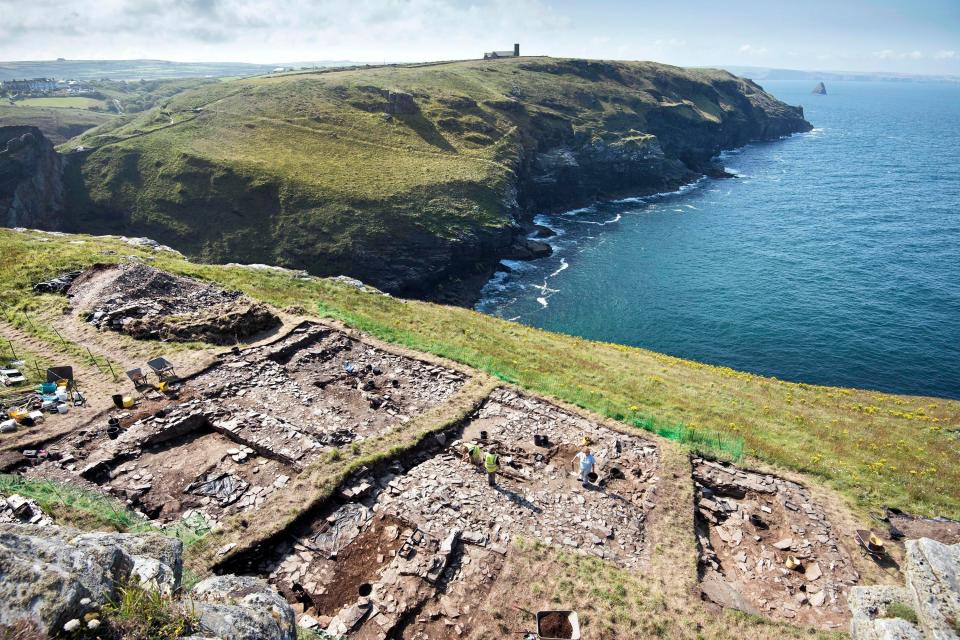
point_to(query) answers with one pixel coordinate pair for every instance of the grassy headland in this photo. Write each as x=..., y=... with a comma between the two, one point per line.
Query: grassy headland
x=875, y=448
x=410, y=177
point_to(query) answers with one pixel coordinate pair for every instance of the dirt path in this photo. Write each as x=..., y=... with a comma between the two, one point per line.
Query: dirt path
x=96, y=386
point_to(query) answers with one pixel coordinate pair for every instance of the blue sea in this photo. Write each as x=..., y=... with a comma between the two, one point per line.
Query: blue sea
x=832, y=258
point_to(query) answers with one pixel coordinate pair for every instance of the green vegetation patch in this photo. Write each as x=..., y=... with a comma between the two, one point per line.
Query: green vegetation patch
x=65, y=102
x=900, y=610
x=72, y=506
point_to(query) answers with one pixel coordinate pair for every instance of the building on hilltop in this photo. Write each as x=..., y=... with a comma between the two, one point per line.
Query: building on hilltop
x=493, y=55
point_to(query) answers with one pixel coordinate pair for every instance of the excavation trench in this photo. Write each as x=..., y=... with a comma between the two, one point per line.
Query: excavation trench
x=767, y=547
x=238, y=431
x=424, y=534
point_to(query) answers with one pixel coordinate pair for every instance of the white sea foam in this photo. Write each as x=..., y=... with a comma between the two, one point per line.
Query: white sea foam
x=563, y=267
x=613, y=220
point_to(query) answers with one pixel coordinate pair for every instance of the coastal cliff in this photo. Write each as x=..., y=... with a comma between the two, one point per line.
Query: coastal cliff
x=31, y=179
x=417, y=179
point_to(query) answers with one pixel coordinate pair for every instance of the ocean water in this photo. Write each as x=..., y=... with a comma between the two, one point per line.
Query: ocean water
x=833, y=258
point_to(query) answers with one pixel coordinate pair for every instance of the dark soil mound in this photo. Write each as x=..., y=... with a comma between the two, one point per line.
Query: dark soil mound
x=148, y=303
x=556, y=625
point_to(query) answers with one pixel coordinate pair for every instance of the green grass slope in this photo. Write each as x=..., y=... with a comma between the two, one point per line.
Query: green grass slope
x=876, y=448
x=402, y=176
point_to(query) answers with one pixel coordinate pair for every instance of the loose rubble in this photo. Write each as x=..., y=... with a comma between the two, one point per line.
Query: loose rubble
x=16, y=509
x=409, y=550
x=147, y=303
x=59, y=284
x=750, y=528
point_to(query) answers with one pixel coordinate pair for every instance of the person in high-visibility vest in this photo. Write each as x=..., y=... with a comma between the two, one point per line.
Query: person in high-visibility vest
x=492, y=464
x=472, y=453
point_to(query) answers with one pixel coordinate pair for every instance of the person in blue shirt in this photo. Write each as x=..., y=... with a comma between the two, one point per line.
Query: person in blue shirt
x=586, y=463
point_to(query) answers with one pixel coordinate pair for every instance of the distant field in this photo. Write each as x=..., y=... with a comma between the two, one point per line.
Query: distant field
x=57, y=123
x=74, y=102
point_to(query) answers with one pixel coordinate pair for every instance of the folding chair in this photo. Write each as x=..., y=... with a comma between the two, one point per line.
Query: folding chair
x=56, y=374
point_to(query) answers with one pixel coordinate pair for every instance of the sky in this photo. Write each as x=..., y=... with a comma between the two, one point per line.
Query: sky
x=907, y=36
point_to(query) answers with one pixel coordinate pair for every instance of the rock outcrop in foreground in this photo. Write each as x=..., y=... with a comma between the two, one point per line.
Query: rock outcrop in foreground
x=932, y=593
x=56, y=576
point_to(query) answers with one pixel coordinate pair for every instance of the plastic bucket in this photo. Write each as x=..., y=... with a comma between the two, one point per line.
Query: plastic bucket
x=113, y=432
x=127, y=402
x=47, y=388
x=117, y=400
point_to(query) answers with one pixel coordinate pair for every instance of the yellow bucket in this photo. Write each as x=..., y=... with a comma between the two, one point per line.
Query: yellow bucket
x=127, y=402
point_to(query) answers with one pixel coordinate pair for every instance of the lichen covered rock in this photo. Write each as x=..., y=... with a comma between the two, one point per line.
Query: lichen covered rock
x=242, y=608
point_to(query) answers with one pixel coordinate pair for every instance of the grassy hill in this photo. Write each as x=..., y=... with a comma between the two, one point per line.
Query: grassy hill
x=62, y=117
x=57, y=123
x=410, y=177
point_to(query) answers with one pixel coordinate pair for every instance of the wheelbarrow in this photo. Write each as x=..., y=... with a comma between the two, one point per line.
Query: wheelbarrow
x=554, y=624
x=871, y=543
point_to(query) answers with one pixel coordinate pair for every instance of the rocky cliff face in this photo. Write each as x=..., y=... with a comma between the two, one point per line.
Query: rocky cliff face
x=31, y=179
x=657, y=149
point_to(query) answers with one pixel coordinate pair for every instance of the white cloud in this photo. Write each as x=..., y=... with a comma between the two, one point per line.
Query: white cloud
x=945, y=55
x=749, y=49
x=890, y=54
x=669, y=42
x=278, y=30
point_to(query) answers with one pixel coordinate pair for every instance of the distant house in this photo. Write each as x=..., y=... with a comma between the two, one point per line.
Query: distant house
x=25, y=86
x=493, y=55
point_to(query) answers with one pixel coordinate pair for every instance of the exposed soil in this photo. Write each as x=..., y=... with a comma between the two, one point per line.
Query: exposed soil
x=767, y=547
x=913, y=527
x=147, y=303
x=356, y=566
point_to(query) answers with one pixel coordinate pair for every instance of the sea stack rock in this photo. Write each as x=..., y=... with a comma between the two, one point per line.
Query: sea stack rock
x=820, y=89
